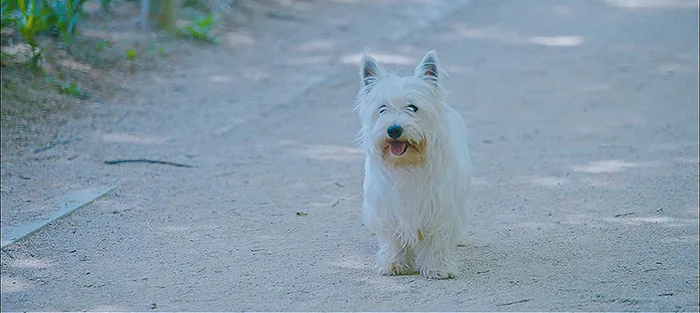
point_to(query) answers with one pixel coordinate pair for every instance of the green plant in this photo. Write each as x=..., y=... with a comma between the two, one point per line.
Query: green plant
x=68, y=88
x=154, y=48
x=64, y=16
x=106, y=5
x=6, y=9
x=73, y=90
x=130, y=54
x=30, y=19
x=199, y=29
x=106, y=43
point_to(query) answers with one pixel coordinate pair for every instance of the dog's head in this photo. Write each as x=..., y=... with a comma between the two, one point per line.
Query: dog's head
x=400, y=114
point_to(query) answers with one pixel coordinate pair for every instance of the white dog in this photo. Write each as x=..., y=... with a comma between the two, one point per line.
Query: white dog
x=417, y=169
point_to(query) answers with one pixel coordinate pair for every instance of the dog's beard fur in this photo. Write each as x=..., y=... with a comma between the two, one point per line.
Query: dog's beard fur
x=415, y=183
x=413, y=155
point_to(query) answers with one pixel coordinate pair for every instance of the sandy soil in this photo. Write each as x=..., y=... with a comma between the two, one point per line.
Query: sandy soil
x=583, y=118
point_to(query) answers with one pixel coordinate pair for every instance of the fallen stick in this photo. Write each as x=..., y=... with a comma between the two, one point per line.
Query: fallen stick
x=514, y=302
x=51, y=146
x=146, y=161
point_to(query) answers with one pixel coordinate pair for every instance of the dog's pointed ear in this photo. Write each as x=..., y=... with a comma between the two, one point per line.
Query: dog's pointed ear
x=370, y=71
x=429, y=69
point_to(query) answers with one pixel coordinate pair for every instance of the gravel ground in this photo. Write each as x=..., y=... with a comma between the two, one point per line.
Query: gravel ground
x=584, y=134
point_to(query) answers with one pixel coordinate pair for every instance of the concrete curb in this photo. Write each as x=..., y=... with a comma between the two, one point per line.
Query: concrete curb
x=65, y=205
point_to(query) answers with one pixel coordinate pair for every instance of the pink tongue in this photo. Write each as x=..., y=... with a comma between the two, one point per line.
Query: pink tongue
x=398, y=148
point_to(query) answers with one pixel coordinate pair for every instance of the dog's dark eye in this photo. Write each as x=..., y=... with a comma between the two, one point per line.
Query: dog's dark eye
x=382, y=109
x=412, y=108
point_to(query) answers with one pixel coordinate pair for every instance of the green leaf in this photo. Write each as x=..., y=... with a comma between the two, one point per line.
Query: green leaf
x=131, y=54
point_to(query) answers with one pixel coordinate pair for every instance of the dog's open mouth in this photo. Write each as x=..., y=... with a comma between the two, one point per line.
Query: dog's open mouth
x=398, y=148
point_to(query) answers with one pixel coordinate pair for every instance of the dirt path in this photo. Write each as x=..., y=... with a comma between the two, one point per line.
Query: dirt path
x=584, y=134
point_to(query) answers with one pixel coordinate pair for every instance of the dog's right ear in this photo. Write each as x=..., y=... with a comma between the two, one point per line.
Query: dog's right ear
x=370, y=71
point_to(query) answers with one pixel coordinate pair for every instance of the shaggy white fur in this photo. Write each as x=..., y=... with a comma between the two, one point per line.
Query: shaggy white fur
x=417, y=169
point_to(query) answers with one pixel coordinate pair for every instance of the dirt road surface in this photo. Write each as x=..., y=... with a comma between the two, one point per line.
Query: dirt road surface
x=584, y=132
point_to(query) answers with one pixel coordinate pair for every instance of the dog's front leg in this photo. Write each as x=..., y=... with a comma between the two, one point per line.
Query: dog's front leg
x=437, y=257
x=394, y=258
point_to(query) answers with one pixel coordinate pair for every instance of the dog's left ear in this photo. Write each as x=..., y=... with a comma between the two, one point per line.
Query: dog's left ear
x=428, y=68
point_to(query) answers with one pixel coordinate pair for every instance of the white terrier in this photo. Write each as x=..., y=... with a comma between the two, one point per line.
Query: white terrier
x=417, y=169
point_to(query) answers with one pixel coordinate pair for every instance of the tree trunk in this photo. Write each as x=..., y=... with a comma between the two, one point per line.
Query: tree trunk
x=160, y=14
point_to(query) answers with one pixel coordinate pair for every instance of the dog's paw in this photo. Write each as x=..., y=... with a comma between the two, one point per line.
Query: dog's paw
x=395, y=269
x=437, y=274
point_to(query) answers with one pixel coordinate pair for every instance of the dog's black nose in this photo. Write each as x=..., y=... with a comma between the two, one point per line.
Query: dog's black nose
x=394, y=131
